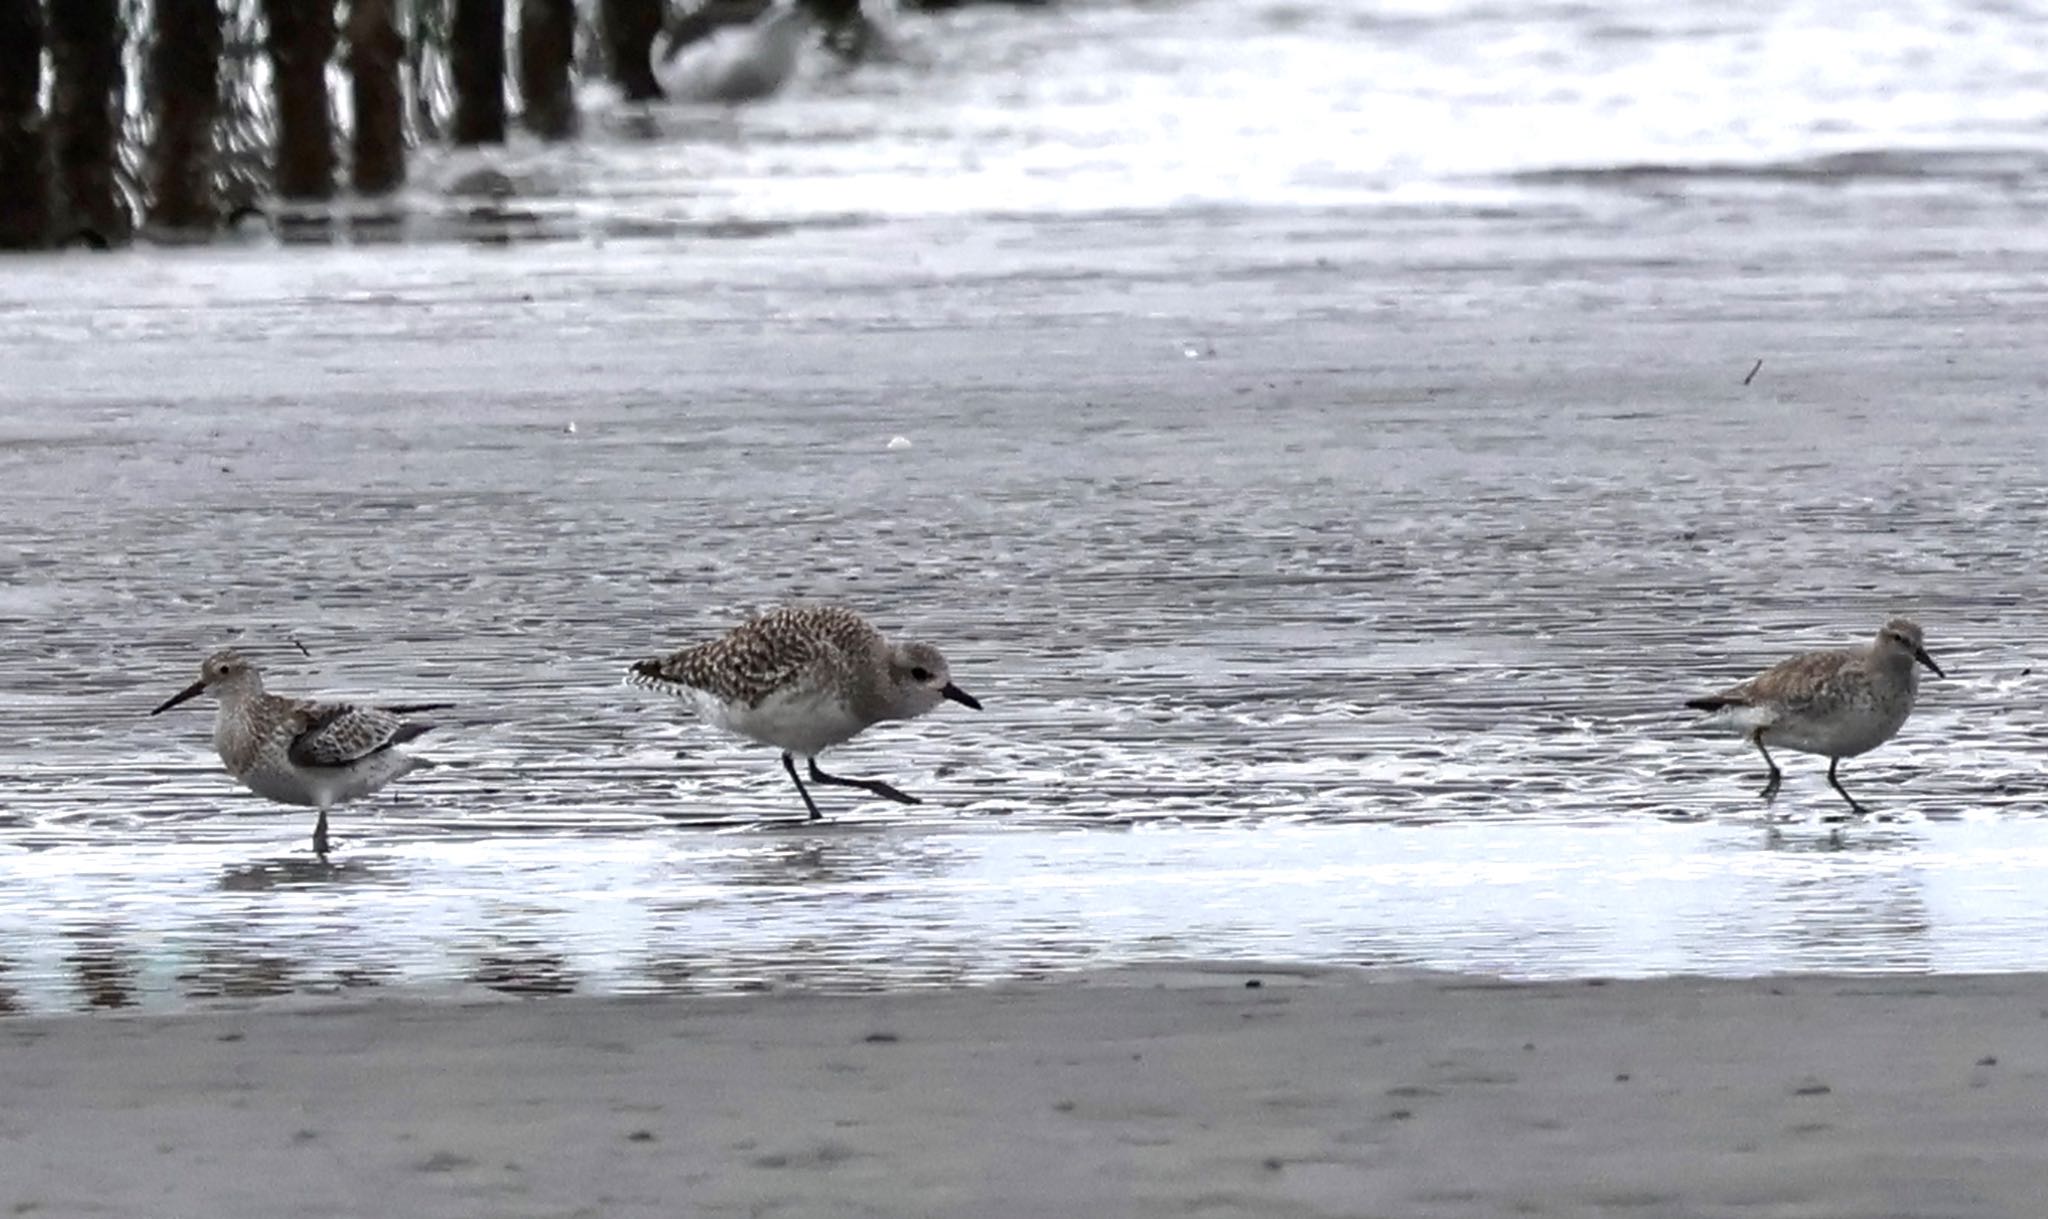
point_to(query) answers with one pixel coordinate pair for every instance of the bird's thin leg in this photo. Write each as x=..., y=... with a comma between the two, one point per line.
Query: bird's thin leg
x=789, y=764
x=320, y=835
x=1770, y=791
x=875, y=786
x=1835, y=783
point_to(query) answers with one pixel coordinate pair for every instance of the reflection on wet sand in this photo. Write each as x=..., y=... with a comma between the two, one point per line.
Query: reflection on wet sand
x=517, y=966
x=1857, y=917
x=221, y=968
x=297, y=871
x=811, y=963
x=880, y=908
x=851, y=856
x=104, y=968
x=273, y=943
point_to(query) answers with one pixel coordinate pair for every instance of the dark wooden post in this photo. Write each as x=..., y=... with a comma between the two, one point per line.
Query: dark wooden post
x=374, y=53
x=833, y=12
x=848, y=33
x=547, y=46
x=184, y=70
x=629, y=30
x=24, y=167
x=477, y=49
x=85, y=101
x=301, y=46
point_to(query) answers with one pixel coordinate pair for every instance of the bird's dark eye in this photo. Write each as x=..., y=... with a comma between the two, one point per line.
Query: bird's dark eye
x=920, y=673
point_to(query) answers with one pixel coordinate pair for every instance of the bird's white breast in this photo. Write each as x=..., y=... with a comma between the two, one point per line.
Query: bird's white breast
x=1850, y=729
x=807, y=721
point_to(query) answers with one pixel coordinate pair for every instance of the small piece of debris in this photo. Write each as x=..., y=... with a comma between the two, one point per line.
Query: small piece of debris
x=1621, y=1078
x=899, y=442
x=641, y=1136
x=1274, y=1163
x=569, y=428
x=1989, y=1060
x=881, y=1038
x=1812, y=1087
x=1752, y=372
x=1252, y=984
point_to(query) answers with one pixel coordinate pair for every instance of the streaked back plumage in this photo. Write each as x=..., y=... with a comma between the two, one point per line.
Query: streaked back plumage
x=303, y=751
x=798, y=645
x=801, y=677
x=1838, y=702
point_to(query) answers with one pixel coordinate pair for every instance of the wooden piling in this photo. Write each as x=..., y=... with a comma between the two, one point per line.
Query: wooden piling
x=24, y=160
x=85, y=105
x=477, y=54
x=833, y=12
x=629, y=30
x=184, y=76
x=375, y=51
x=848, y=32
x=547, y=47
x=301, y=46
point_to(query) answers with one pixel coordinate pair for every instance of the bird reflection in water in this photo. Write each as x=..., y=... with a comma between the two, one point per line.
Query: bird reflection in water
x=104, y=967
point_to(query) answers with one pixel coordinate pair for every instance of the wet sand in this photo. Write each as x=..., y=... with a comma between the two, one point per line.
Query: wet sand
x=1162, y=1092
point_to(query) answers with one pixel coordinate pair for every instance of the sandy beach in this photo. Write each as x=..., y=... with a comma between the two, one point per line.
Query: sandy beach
x=1219, y=1091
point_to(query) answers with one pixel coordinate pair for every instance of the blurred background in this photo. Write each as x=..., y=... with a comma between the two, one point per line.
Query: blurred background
x=533, y=118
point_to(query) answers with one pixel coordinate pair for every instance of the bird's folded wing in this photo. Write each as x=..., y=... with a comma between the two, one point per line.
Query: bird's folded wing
x=337, y=734
x=1797, y=682
x=741, y=667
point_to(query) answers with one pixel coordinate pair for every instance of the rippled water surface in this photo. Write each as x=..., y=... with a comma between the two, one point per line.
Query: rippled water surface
x=1330, y=571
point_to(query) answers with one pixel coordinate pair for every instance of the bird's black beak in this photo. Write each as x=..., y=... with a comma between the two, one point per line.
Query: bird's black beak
x=949, y=690
x=1920, y=654
x=192, y=691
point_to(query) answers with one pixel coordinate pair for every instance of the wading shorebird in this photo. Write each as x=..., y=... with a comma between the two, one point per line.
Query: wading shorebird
x=297, y=751
x=1837, y=704
x=803, y=679
x=733, y=63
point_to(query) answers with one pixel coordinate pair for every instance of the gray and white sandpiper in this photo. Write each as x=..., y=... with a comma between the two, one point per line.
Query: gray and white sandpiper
x=732, y=63
x=805, y=678
x=1837, y=704
x=298, y=751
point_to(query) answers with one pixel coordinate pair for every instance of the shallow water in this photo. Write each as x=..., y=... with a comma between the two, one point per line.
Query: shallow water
x=1095, y=106
x=1399, y=590
x=1330, y=573
x=863, y=907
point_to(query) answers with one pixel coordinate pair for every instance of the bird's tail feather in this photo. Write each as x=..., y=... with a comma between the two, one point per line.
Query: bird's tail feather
x=648, y=675
x=407, y=732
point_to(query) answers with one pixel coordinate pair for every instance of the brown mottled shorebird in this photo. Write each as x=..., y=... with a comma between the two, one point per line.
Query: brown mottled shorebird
x=297, y=751
x=1836, y=703
x=803, y=679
